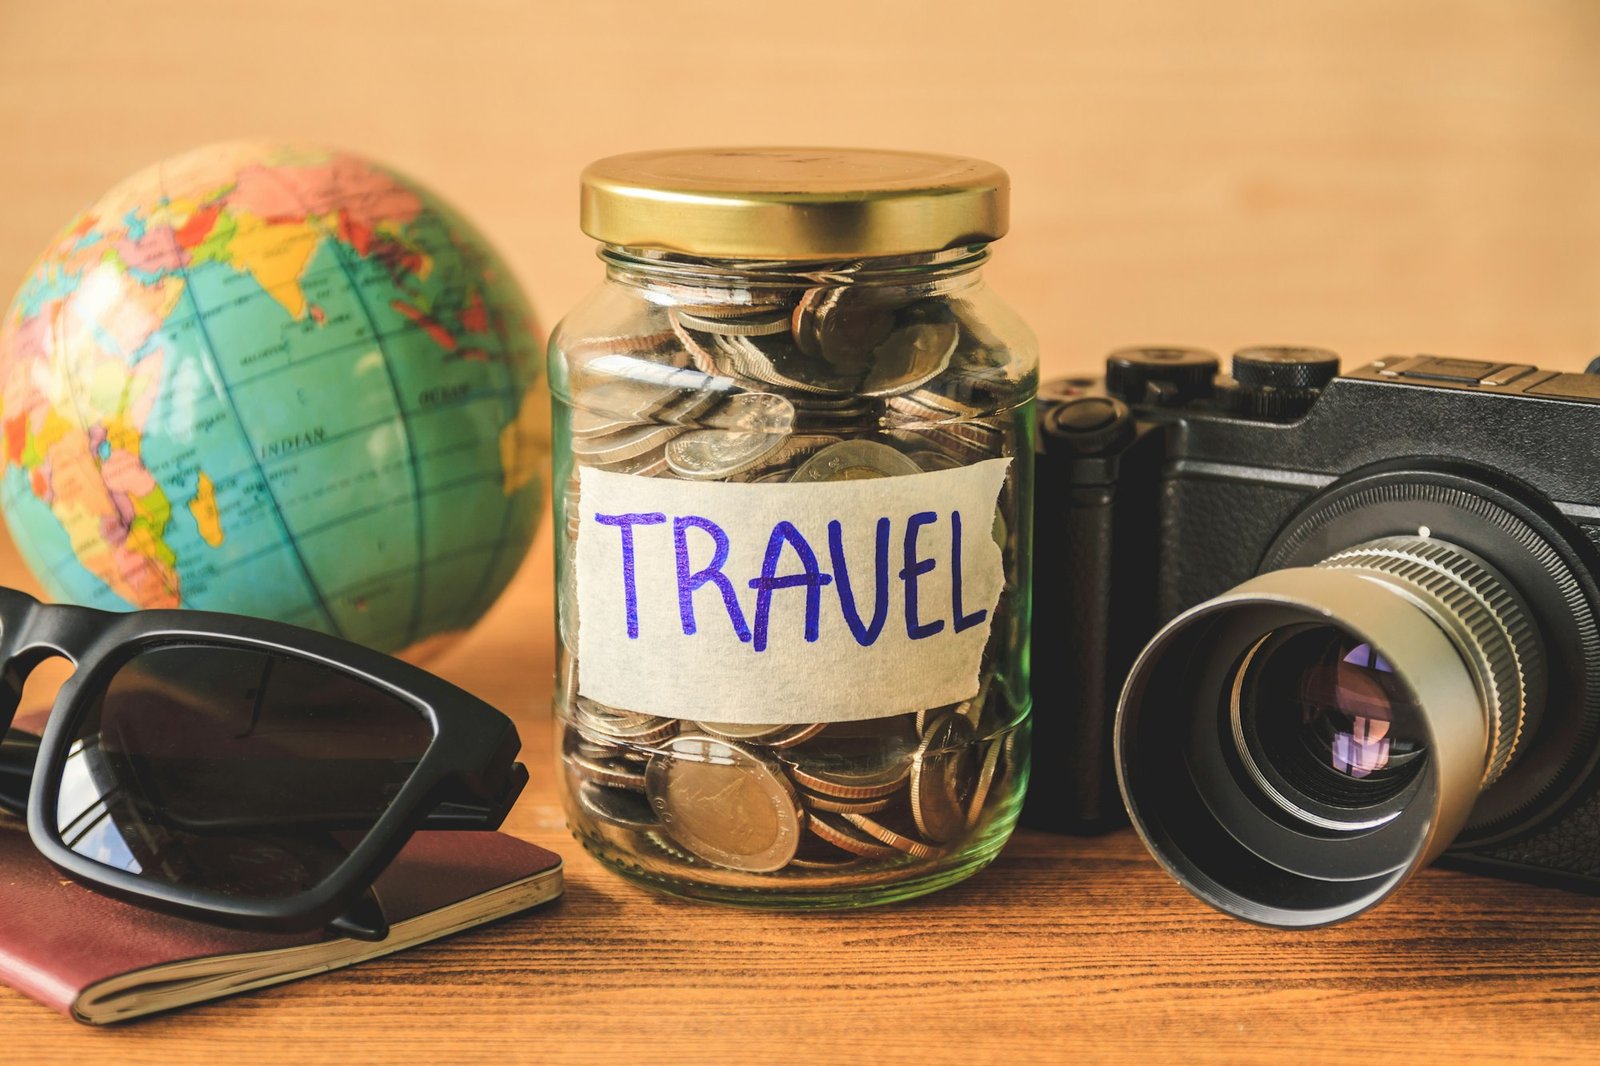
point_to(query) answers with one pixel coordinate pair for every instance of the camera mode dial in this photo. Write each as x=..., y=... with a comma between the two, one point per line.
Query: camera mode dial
x=1277, y=382
x=1284, y=367
x=1165, y=376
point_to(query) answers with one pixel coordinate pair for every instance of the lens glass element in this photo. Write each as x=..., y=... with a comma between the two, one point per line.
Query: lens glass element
x=1325, y=726
x=233, y=770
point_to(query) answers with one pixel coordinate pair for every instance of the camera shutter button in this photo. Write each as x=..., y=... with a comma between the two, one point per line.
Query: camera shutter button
x=1089, y=424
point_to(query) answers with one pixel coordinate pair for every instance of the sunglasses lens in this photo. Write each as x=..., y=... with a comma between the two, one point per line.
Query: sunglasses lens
x=234, y=771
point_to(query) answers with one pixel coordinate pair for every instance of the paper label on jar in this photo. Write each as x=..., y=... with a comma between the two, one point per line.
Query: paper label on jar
x=778, y=603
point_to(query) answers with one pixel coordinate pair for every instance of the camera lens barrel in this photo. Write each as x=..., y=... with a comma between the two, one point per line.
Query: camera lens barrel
x=1292, y=750
x=1488, y=623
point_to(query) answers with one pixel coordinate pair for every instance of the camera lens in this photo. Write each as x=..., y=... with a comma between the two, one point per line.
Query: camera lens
x=1325, y=727
x=1292, y=750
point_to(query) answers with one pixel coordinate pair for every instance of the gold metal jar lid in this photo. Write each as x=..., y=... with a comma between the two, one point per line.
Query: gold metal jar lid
x=793, y=203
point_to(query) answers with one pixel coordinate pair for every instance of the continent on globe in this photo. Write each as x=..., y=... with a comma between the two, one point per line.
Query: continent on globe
x=276, y=380
x=204, y=509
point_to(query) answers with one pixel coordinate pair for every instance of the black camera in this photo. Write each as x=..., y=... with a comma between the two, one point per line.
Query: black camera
x=1313, y=630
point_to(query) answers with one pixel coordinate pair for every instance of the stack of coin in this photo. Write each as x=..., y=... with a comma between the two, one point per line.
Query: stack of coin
x=839, y=382
x=765, y=798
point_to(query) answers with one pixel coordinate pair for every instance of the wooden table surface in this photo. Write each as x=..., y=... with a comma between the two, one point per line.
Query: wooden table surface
x=1064, y=949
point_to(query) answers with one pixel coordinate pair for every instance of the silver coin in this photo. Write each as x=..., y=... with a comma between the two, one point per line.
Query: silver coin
x=612, y=774
x=619, y=807
x=986, y=772
x=585, y=424
x=701, y=357
x=930, y=461
x=743, y=731
x=714, y=454
x=796, y=735
x=783, y=460
x=612, y=723
x=758, y=325
x=725, y=803
x=749, y=412
x=744, y=357
x=855, y=460
x=931, y=714
x=650, y=464
x=628, y=443
x=813, y=415
x=753, y=303
x=926, y=405
x=856, y=773
x=592, y=747
x=567, y=680
x=943, y=775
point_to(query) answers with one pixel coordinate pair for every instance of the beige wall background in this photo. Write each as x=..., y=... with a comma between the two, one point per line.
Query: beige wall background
x=1369, y=175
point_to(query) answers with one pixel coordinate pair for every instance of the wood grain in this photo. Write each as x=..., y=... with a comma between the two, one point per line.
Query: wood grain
x=1370, y=175
x=1066, y=948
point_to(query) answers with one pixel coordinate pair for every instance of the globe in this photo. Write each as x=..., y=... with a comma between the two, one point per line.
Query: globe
x=275, y=380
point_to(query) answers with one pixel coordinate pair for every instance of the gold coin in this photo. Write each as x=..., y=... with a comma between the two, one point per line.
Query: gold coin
x=842, y=834
x=898, y=841
x=724, y=803
x=817, y=802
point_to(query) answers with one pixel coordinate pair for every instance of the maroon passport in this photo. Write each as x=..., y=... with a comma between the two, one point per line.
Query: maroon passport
x=99, y=961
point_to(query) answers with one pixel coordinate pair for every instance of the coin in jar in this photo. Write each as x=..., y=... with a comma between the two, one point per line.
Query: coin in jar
x=725, y=803
x=761, y=324
x=896, y=840
x=756, y=732
x=608, y=772
x=623, y=444
x=855, y=460
x=841, y=324
x=714, y=454
x=850, y=775
x=944, y=775
x=980, y=792
x=841, y=834
x=620, y=807
x=911, y=357
x=816, y=801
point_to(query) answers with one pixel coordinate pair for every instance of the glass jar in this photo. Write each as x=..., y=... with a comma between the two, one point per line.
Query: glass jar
x=793, y=488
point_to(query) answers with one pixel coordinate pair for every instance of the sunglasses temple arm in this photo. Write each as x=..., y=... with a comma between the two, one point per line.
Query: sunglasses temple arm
x=19, y=752
x=364, y=920
x=476, y=811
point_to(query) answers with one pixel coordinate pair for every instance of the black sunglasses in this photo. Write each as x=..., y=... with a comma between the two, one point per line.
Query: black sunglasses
x=244, y=772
